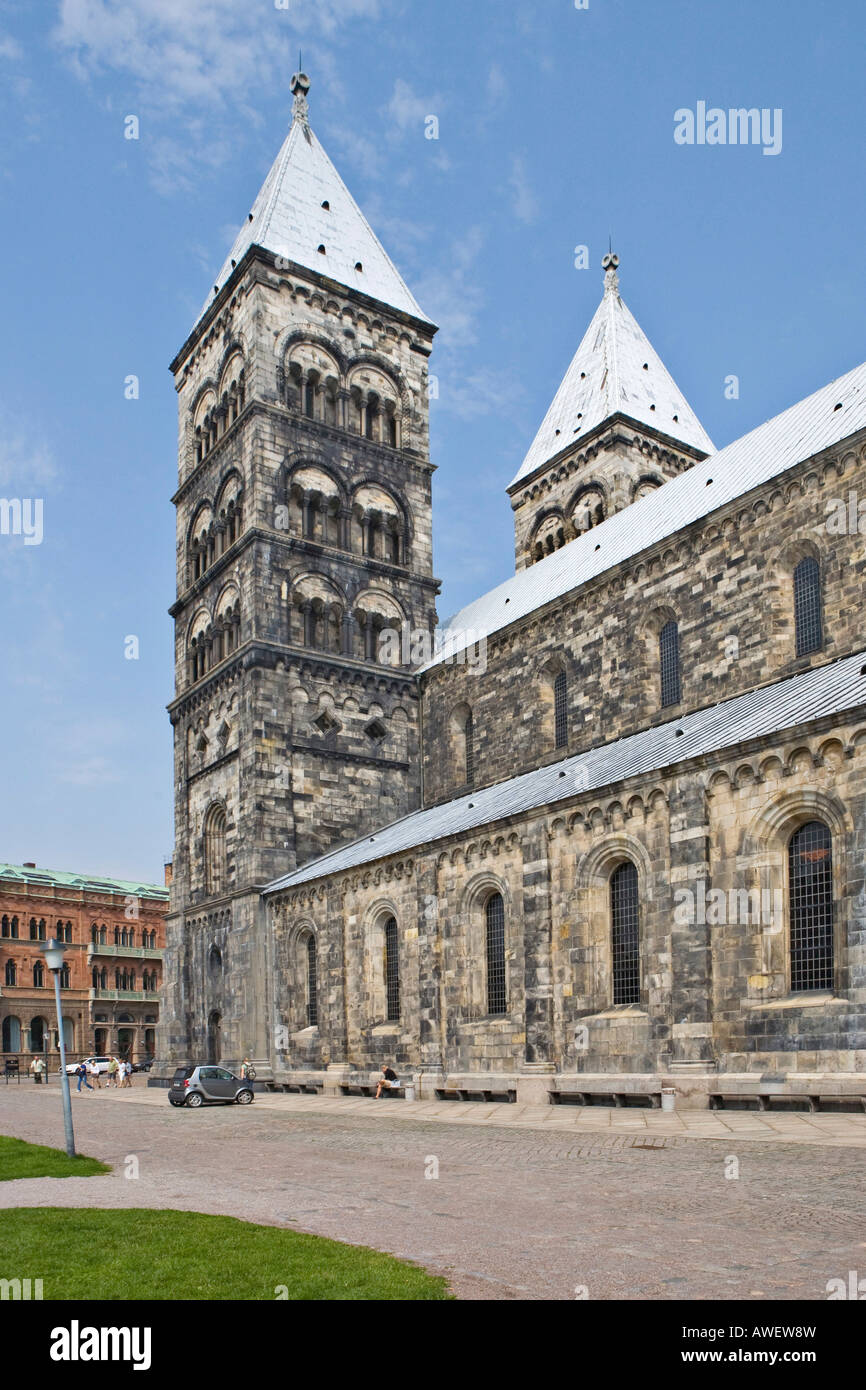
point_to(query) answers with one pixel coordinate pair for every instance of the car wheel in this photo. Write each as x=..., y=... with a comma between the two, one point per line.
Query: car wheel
x=194, y=1100
x=244, y=1097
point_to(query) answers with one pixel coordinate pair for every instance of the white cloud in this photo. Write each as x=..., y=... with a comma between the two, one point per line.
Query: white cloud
x=10, y=48
x=26, y=461
x=483, y=392
x=525, y=204
x=195, y=69
x=408, y=111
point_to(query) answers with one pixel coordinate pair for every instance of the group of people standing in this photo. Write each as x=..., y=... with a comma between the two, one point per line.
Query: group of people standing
x=117, y=1074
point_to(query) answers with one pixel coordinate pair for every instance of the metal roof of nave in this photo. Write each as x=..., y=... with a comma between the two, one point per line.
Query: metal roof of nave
x=823, y=692
x=831, y=414
x=304, y=206
x=615, y=371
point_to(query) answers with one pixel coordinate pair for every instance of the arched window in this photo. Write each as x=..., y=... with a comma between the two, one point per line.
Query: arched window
x=810, y=896
x=38, y=975
x=102, y=935
x=94, y=933
x=103, y=977
x=312, y=985
x=117, y=936
x=807, y=606
x=11, y=973
x=560, y=709
x=392, y=971
x=625, y=936
x=64, y=977
x=669, y=663
x=94, y=978
x=496, y=995
x=11, y=1034
x=13, y=929
x=469, y=738
x=310, y=398
x=215, y=850
x=4, y=926
x=34, y=930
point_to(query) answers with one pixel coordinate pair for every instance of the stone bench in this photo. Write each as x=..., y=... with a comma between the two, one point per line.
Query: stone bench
x=303, y=1088
x=368, y=1088
x=764, y=1100
x=506, y=1095
x=617, y=1099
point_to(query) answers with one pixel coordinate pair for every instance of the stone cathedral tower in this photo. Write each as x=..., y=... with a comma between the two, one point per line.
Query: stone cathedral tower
x=303, y=532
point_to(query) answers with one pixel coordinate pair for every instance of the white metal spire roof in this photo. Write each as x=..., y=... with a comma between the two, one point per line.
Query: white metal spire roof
x=303, y=205
x=616, y=370
x=805, y=429
x=823, y=692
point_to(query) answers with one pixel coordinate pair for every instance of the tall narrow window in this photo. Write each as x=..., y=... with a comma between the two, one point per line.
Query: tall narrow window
x=810, y=888
x=625, y=935
x=38, y=975
x=312, y=985
x=560, y=709
x=11, y=973
x=669, y=663
x=469, y=737
x=392, y=971
x=807, y=606
x=215, y=850
x=495, y=912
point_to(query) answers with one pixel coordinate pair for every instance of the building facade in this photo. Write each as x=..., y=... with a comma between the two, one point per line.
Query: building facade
x=112, y=970
x=621, y=843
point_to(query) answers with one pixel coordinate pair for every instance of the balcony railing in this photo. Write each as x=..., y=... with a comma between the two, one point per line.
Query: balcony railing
x=144, y=995
x=95, y=948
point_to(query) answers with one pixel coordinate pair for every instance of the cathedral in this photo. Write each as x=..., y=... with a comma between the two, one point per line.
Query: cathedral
x=600, y=836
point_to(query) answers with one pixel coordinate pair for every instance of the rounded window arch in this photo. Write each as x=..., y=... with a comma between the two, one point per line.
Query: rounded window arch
x=11, y=1034
x=462, y=730
x=11, y=973
x=215, y=960
x=625, y=933
x=215, y=856
x=811, y=909
x=494, y=920
x=310, y=967
x=808, y=625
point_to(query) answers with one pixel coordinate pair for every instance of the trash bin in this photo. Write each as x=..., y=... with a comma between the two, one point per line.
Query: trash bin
x=409, y=1092
x=669, y=1097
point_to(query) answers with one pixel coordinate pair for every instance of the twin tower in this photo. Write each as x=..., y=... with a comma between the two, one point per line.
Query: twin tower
x=303, y=534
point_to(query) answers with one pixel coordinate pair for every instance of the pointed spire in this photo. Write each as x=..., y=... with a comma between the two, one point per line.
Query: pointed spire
x=305, y=214
x=615, y=371
x=300, y=109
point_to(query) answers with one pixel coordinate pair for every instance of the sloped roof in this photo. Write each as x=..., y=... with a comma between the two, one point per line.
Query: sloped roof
x=289, y=219
x=616, y=370
x=805, y=429
x=12, y=874
x=825, y=691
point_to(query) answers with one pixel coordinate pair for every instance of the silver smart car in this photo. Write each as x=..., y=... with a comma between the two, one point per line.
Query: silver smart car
x=210, y=1085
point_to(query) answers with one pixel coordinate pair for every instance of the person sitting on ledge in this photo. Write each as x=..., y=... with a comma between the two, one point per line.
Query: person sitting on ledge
x=387, y=1081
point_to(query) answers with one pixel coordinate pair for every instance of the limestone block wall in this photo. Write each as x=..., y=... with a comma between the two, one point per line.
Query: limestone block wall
x=715, y=989
x=727, y=581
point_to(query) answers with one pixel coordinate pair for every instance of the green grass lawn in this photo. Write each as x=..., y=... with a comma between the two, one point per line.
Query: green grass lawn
x=139, y=1254
x=20, y=1160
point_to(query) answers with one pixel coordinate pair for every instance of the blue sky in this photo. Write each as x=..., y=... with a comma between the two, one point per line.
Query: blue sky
x=556, y=130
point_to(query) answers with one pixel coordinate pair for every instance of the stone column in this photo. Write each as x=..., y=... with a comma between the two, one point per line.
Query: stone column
x=691, y=954
x=430, y=1062
x=538, y=1065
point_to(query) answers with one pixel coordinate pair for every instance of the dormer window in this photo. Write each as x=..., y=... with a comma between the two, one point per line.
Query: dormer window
x=326, y=205
x=322, y=251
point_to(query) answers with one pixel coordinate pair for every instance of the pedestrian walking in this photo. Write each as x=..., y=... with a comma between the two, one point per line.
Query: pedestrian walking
x=246, y=1068
x=81, y=1073
x=126, y=1074
x=113, y=1069
x=93, y=1072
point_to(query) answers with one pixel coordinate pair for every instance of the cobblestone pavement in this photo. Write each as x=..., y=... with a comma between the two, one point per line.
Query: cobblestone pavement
x=519, y=1210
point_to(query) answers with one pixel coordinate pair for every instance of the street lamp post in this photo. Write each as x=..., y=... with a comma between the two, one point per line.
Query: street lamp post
x=54, y=952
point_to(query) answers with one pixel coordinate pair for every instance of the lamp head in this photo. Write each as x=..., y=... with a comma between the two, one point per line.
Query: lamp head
x=54, y=951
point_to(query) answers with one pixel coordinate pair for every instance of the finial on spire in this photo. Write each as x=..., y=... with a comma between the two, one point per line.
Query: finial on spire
x=300, y=110
x=611, y=279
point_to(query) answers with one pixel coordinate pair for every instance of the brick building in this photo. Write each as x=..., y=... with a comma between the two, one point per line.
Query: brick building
x=112, y=973
x=611, y=835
